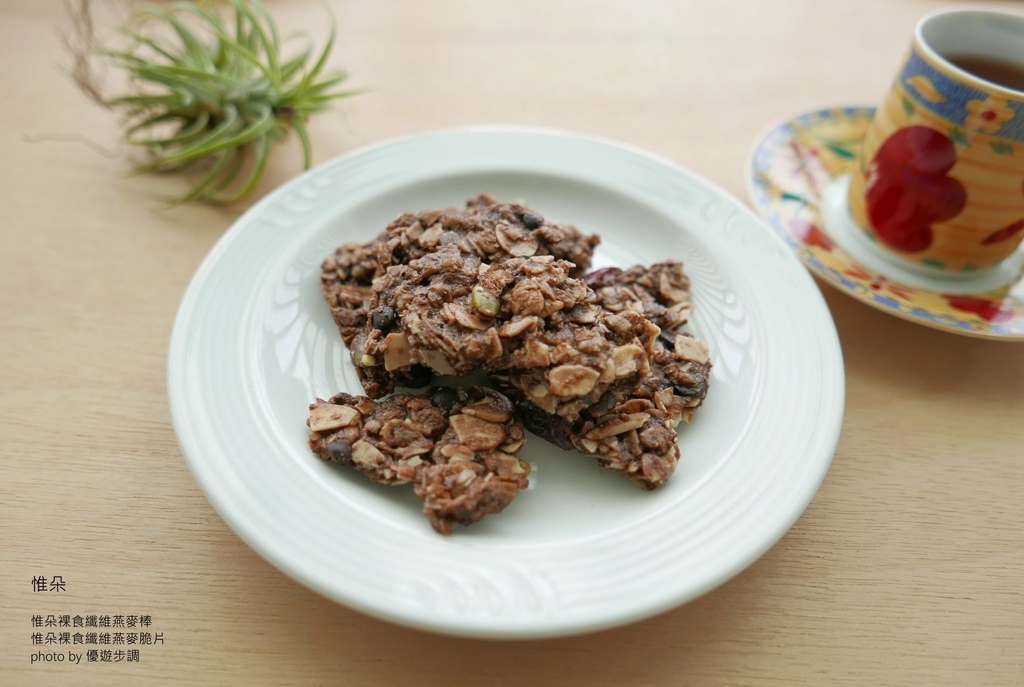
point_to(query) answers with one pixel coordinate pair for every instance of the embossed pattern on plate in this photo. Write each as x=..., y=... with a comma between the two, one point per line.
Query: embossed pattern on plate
x=581, y=549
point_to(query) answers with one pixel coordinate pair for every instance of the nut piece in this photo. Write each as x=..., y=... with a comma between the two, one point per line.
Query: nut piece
x=396, y=351
x=465, y=317
x=484, y=302
x=494, y=408
x=572, y=380
x=514, y=328
x=618, y=425
x=536, y=354
x=477, y=434
x=366, y=455
x=692, y=349
x=323, y=418
x=515, y=243
x=674, y=288
x=436, y=361
x=627, y=358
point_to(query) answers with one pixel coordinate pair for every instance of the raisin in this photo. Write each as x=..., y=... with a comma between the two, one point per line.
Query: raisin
x=532, y=220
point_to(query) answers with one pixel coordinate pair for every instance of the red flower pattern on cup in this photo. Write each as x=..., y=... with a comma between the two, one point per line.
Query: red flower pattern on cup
x=909, y=190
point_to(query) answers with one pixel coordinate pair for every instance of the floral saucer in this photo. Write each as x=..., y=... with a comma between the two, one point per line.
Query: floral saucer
x=796, y=179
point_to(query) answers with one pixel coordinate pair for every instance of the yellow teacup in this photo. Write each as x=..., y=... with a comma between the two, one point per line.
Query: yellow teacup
x=940, y=179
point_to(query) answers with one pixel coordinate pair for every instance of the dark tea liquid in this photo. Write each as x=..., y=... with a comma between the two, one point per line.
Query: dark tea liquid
x=1003, y=73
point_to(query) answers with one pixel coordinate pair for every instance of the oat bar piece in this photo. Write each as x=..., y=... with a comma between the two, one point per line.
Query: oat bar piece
x=524, y=317
x=660, y=292
x=633, y=432
x=456, y=314
x=456, y=446
x=345, y=279
x=491, y=230
x=567, y=367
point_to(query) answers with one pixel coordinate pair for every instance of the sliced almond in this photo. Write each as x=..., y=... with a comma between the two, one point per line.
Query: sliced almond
x=409, y=453
x=586, y=315
x=477, y=434
x=692, y=349
x=540, y=397
x=366, y=454
x=454, y=452
x=327, y=416
x=634, y=405
x=430, y=237
x=461, y=315
x=436, y=361
x=396, y=351
x=495, y=408
x=536, y=354
x=493, y=343
x=627, y=359
x=512, y=446
x=414, y=231
x=518, y=326
x=465, y=477
x=618, y=426
x=430, y=216
x=510, y=464
x=672, y=290
x=515, y=241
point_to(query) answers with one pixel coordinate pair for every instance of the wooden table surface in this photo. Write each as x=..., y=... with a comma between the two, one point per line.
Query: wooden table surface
x=906, y=569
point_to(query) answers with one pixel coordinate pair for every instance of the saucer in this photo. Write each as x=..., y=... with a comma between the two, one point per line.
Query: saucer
x=796, y=178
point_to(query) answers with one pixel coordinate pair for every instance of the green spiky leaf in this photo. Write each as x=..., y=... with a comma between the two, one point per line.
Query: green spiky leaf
x=213, y=90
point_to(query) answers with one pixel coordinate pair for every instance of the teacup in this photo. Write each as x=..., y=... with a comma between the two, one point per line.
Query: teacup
x=939, y=184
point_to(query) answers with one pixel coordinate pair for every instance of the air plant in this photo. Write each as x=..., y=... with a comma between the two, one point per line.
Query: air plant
x=210, y=91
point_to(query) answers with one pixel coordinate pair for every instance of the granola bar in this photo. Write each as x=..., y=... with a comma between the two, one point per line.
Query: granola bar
x=457, y=447
x=632, y=431
x=525, y=317
x=491, y=230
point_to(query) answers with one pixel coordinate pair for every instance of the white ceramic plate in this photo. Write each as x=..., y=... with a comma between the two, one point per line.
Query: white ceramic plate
x=582, y=549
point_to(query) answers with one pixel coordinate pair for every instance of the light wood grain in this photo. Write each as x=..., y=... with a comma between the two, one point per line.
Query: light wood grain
x=907, y=568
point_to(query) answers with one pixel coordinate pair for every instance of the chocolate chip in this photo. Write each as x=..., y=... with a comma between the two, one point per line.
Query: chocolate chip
x=383, y=317
x=417, y=376
x=697, y=390
x=340, y=451
x=532, y=220
x=445, y=398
